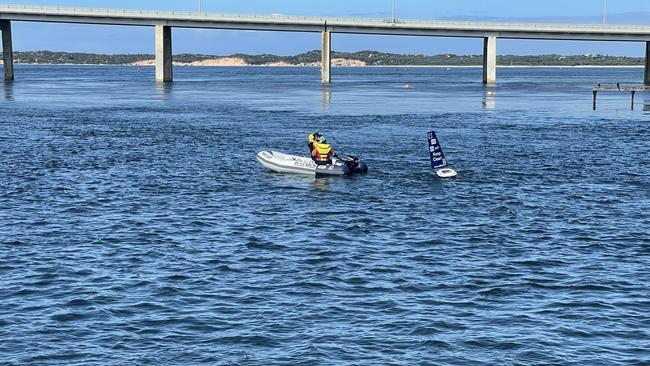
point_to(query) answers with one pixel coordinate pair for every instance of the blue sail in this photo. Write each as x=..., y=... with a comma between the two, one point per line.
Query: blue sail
x=436, y=155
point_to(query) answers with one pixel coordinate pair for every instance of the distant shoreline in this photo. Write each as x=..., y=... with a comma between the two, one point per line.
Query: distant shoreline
x=358, y=66
x=339, y=59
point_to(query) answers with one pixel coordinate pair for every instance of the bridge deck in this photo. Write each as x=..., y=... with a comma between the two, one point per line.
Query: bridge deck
x=592, y=32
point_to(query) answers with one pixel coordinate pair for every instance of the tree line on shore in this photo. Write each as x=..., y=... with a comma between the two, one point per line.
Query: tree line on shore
x=371, y=58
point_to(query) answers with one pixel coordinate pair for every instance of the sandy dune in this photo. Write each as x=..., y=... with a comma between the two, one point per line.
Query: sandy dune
x=238, y=61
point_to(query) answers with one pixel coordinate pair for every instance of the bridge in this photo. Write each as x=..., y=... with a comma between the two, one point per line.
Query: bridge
x=163, y=22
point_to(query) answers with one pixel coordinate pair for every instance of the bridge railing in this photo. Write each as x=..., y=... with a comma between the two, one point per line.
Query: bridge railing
x=113, y=11
x=82, y=11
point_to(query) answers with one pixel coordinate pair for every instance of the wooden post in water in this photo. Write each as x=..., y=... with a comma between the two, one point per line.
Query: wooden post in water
x=489, y=60
x=632, y=105
x=595, y=93
x=7, y=49
x=326, y=58
x=646, y=78
x=163, y=53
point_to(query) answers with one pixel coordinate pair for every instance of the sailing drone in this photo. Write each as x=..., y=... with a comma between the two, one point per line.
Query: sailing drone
x=437, y=157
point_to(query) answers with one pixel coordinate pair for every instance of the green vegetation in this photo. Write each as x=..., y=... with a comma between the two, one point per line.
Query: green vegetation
x=369, y=57
x=49, y=57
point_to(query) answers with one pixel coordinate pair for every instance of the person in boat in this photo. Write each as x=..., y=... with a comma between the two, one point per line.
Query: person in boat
x=312, y=138
x=322, y=152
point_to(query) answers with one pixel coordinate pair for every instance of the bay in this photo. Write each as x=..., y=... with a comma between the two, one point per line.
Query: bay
x=136, y=226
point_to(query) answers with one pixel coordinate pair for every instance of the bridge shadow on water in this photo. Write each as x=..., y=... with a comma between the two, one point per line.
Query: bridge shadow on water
x=490, y=100
x=8, y=90
x=163, y=91
x=326, y=98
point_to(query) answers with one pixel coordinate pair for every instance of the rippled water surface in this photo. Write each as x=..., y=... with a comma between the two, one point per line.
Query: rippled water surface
x=136, y=226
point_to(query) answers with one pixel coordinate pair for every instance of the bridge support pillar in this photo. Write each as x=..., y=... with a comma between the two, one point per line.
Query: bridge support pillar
x=7, y=49
x=646, y=79
x=326, y=61
x=163, y=53
x=490, y=60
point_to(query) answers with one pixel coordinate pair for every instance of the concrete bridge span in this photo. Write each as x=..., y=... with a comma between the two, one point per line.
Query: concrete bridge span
x=165, y=21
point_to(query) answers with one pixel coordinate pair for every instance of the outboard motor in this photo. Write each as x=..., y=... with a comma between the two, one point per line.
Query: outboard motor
x=355, y=165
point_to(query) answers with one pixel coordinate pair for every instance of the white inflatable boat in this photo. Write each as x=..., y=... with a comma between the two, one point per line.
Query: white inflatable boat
x=285, y=163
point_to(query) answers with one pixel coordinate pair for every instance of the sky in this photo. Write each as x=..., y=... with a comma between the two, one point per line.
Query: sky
x=121, y=39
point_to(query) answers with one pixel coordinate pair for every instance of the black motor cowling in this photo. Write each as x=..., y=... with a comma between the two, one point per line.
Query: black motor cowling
x=355, y=165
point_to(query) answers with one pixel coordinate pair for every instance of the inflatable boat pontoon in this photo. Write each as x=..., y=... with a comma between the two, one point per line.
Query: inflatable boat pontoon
x=293, y=164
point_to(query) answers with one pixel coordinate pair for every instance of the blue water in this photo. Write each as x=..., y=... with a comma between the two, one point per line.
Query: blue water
x=136, y=226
